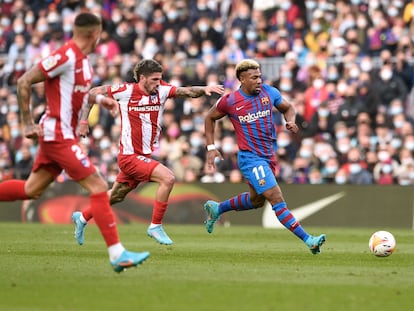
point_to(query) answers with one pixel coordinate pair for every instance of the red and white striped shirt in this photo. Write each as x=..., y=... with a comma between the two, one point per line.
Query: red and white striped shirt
x=69, y=80
x=141, y=116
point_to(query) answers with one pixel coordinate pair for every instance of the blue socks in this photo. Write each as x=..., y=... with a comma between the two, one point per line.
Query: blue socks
x=240, y=202
x=289, y=221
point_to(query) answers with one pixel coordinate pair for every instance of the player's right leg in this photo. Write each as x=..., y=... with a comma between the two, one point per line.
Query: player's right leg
x=32, y=188
x=119, y=257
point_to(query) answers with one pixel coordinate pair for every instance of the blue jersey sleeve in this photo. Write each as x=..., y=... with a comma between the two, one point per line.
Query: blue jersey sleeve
x=275, y=96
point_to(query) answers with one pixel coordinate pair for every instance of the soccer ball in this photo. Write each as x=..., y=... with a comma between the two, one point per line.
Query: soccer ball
x=382, y=243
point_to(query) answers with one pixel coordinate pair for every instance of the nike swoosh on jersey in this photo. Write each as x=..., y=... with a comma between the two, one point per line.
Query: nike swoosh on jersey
x=269, y=219
x=238, y=108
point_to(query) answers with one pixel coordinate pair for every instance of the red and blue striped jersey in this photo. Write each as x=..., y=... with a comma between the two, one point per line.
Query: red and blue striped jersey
x=252, y=119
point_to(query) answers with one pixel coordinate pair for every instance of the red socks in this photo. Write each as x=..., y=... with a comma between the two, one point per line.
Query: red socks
x=12, y=190
x=104, y=217
x=158, y=212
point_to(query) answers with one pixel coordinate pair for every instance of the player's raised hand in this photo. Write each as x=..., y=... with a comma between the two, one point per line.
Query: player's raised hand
x=219, y=89
x=291, y=126
x=83, y=129
x=211, y=156
x=111, y=105
x=32, y=131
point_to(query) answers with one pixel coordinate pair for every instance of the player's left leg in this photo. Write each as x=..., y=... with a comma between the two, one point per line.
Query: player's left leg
x=166, y=179
x=287, y=219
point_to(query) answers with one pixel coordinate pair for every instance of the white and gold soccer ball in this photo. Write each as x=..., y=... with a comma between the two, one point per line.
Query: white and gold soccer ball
x=382, y=243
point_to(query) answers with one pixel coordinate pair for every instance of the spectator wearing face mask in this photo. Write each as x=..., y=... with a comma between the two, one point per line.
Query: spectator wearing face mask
x=356, y=168
x=389, y=86
x=316, y=92
x=322, y=122
x=386, y=169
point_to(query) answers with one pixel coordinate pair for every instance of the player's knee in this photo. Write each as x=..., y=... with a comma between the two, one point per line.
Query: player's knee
x=169, y=180
x=258, y=201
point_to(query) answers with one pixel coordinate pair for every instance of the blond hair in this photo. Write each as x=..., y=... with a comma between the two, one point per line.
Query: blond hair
x=245, y=65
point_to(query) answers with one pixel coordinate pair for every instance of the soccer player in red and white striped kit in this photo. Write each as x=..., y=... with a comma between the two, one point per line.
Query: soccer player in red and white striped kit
x=141, y=106
x=67, y=75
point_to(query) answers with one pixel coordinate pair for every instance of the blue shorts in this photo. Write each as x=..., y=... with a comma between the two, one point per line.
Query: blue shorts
x=258, y=171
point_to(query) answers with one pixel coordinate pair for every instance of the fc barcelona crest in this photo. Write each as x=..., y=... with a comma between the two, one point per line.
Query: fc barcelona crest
x=265, y=100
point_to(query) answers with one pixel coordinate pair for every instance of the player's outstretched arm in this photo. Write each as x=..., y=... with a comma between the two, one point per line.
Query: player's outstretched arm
x=197, y=91
x=96, y=95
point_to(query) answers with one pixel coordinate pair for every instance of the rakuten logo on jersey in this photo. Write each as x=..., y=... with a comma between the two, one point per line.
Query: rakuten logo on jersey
x=251, y=117
x=144, y=108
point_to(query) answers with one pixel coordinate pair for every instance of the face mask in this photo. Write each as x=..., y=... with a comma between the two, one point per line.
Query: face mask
x=343, y=148
x=333, y=76
x=195, y=142
x=315, y=28
x=251, y=35
x=395, y=110
x=386, y=169
x=355, y=168
x=97, y=133
x=18, y=29
x=318, y=83
x=19, y=67
x=42, y=28
x=354, y=73
x=207, y=49
x=386, y=75
x=340, y=180
x=172, y=15
x=203, y=27
x=398, y=124
x=169, y=39
x=362, y=23
x=186, y=127
x=305, y=153
x=331, y=169
x=310, y=4
x=396, y=143
x=67, y=28
x=297, y=49
x=5, y=22
x=173, y=132
x=285, y=5
x=104, y=143
x=237, y=35
x=29, y=19
x=116, y=18
x=383, y=156
x=324, y=157
x=342, y=87
x=283, y=142
x=218, y=28
x=227, y=148
x=409, y=145
x=392, y=12
x=15, y=133
x=285, y=87
x=323, y=113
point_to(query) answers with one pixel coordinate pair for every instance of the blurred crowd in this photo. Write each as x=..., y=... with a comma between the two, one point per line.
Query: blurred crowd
x=347, y=66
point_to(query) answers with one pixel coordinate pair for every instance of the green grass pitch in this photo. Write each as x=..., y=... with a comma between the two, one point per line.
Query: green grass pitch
x=235, y=268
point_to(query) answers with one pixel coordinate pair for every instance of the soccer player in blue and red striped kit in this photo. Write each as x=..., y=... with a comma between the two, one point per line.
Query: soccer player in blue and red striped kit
x=250, y=111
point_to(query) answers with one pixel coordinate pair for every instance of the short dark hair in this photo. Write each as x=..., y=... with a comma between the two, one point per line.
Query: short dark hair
x=146, y=67
x=245, y=65
x=87, y=20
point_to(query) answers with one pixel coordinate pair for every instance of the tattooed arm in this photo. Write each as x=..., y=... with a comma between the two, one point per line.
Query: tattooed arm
x=96, y=95
x=197, y=91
